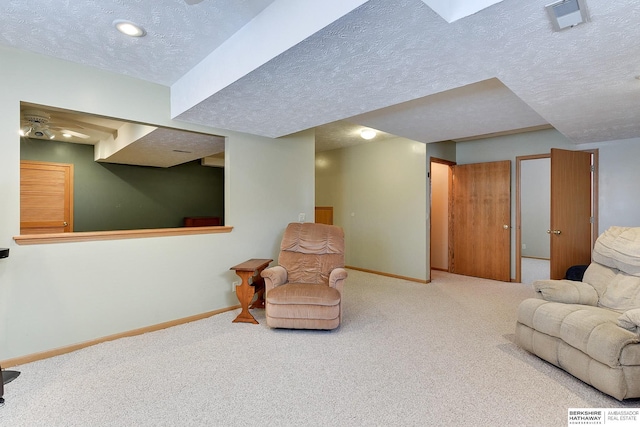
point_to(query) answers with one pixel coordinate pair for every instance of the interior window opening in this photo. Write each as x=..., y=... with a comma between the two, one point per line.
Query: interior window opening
x=84, y=173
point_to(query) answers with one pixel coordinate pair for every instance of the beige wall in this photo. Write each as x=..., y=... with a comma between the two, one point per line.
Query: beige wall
x=379, y=194
x=619, y=174
x=61, y=294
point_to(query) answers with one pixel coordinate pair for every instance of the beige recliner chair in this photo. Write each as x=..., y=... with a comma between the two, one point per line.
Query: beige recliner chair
x=305, y=290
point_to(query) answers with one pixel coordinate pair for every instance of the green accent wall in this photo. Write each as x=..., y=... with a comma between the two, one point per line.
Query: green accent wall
x=121, y=197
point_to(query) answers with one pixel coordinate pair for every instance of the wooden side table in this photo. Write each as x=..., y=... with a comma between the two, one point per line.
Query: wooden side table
x=250, y=270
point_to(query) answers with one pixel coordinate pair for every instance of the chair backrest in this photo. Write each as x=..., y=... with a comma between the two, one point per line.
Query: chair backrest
x=615, y=270
x=310, y=251
x=619, y=247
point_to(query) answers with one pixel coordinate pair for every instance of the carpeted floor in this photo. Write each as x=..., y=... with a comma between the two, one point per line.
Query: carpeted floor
x=534, y=269
x=407, y=354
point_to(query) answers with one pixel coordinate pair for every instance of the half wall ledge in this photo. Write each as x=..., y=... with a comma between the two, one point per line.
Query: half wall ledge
x=90, y=236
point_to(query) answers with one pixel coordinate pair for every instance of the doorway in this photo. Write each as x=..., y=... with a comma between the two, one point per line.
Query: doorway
x=534, y=215
x=470, y=218
x=556, y=212
x=440, y=230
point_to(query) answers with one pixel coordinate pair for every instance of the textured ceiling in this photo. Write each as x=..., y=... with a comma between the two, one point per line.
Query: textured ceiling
x=386, y=53
x=136, y=144
x=168, y=147
x=342, y=133
x=475, y=109
x=178, y=35
x=393, y=65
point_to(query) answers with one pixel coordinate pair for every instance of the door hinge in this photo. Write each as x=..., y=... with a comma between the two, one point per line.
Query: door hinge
x=592, y=220
x=593, y=168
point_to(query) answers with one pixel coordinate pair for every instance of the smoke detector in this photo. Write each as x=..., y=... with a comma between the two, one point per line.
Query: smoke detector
x=567, y=13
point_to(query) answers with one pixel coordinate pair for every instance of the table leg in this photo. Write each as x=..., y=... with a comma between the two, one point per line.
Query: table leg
x=245, y=293
x=258, y=286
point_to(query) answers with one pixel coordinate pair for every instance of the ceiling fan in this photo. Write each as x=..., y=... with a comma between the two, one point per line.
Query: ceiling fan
x=38, y=124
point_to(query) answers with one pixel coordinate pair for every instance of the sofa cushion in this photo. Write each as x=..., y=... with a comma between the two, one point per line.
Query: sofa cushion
x=309, y=252
x=599, y=276
x=312, y=238
x=304, y=293
x=617, y=290
x=619, y=247
x=621, y=382
x=304, y=311
x=597, y=334
x=592, y=330
x=567, y=291
x=311, y=303
x=622, y=294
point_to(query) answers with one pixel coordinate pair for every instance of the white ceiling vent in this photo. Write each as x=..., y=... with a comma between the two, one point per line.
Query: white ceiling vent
x=567, y=13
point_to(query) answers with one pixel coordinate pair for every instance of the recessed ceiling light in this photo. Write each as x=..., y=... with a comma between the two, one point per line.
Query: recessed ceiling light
x=368, y=133
x=66, y=135
x=129, y=28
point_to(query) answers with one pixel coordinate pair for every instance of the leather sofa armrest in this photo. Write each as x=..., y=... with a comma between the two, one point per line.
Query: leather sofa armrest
x=336, y=278
x=274, y=276
x=566, y=291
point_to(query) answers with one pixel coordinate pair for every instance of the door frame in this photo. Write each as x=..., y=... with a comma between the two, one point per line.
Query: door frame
x=449, y=164
x=594, y=203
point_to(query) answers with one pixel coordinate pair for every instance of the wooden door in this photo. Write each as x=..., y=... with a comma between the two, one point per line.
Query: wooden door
x=324, y=215
x=481, y=216
x=46, y=197
x=571, y=210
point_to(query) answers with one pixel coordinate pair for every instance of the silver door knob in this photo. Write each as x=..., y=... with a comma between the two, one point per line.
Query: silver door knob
x=505, y=226
x=65, y=223
x=556, y=232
